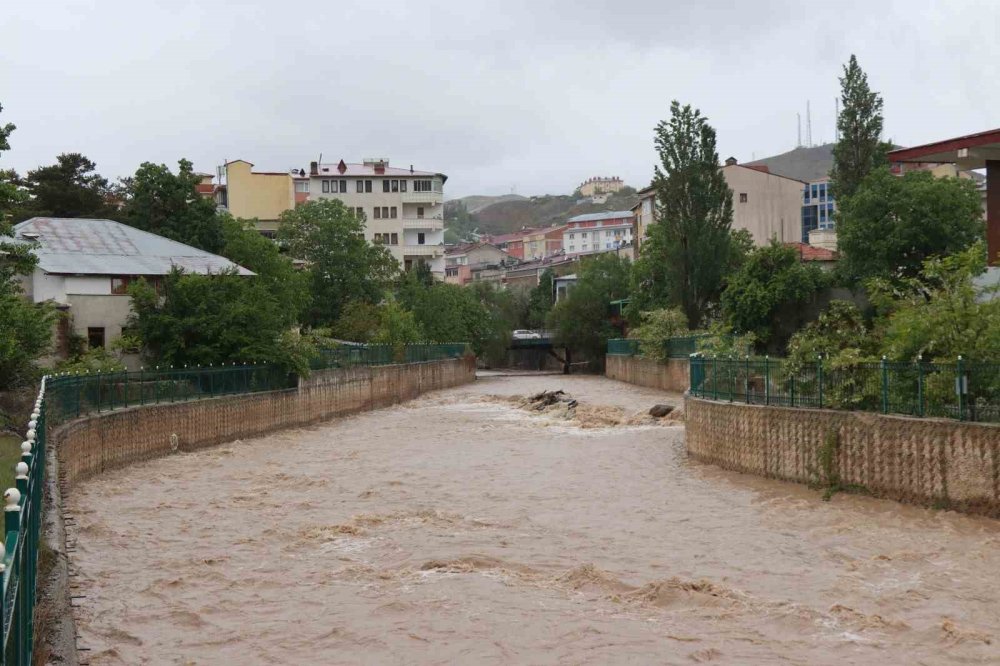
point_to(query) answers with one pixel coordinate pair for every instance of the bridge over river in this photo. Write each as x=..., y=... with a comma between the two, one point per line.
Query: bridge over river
x=461, y=528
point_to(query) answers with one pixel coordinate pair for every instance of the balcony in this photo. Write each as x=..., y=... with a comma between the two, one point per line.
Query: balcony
x=432, y=198
x=423, y=250
x=429, y=223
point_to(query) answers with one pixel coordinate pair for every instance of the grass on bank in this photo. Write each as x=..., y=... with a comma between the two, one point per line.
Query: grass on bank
x=10, y=455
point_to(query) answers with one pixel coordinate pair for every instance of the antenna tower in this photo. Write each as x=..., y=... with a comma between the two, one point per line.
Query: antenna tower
x=809, y=126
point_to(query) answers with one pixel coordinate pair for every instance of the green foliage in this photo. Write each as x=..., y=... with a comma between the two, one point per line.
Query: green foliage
x=92, y=360
x=397, y=327
x=892, y=224
x=10, y=194
x=212, y=319
x=582, y=319
x=687, y=254
x=940, y=315
x=839, y=335
x=342, y=266
x=69, y=188
x=860, y=148
x=244, y=245
x=540, y=300
x=766, y=292
x=359, y=322
x=656, y=327
x=169, y=205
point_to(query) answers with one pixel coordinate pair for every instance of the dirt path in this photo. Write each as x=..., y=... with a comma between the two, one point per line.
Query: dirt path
x=461, y=529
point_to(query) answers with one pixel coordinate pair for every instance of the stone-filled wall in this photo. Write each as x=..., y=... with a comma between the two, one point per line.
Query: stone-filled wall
x=932, y=462
x=671, y=375
x=91, y=445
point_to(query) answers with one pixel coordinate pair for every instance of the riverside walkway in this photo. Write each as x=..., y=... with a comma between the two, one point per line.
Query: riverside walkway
x=462, y=528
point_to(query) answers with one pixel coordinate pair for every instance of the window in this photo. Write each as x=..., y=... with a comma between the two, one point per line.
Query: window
x=119, y=285
x=360, y=213
x=377, y=239
x=326, y=186
x=607, y=246
x=361, y=186
x=571, y=236
x=743, y=197
x=302, y=186
x=385, y=185
x=395, y=185
x=583, y=248
x=421, y=239
x=368, y=186
x=378, y=213
x=583, y=235
x=343, y=186
x=420, y=212
x=572, y=248
x=95, y=337
x=607, y=234
x=402, y=186
x=421, y=186
x=395, y=239
x=392, y=212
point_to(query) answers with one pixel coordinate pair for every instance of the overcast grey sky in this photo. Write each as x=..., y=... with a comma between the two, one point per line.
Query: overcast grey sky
x=534, y=96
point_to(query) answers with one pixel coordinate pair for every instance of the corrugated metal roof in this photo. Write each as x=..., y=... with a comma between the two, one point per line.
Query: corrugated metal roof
x=105, y=247
x=609, y=215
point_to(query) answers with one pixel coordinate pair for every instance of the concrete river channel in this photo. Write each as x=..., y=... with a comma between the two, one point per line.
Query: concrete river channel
x=462, y=528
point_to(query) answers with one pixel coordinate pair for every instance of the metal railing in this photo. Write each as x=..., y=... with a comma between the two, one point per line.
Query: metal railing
x=351, y=355
x=676, y=347
x=75, y=395
x=962, y=390
x=22, y=531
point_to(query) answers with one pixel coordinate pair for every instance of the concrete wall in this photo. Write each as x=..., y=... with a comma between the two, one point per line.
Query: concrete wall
x=671, y=375
x=932, y=462
x=97, y=443
x=264, y=196
x=773, y=207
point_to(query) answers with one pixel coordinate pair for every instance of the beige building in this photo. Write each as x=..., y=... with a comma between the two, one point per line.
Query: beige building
x=403, y=208
x=601, y=185
x=765, y=204
x=255, y=195
x=643, y=215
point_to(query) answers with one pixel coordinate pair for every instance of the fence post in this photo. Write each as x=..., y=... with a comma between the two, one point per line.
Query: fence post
x=715, y=378
x=885, y=385
x=98, y=391
x=819, y=376
x=767, y=380
x=959, y=388
x=920, y=385
x=746, y=380
x=142, y=387
x=732, y=378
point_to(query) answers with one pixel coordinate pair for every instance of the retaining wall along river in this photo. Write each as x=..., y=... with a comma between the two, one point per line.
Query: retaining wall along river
x=671, y=375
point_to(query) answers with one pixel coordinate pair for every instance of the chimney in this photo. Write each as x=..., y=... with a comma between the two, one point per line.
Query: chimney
x=314, y=168
x=731, y=161
x=341, y=167
x=411, y=168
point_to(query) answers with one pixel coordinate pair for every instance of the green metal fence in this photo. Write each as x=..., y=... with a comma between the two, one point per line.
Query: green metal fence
x=351, y=355
x=676, y=347
x=22, y=530
x=961, y=390
x=75, y=395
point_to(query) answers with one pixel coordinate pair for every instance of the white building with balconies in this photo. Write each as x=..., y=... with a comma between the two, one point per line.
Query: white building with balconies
x=403, y=209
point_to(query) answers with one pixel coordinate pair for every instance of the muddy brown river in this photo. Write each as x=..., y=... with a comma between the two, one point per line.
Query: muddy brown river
x=462, y=529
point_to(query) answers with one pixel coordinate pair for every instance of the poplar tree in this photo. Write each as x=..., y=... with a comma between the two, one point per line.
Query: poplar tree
x=859, y=149
x=687, y=255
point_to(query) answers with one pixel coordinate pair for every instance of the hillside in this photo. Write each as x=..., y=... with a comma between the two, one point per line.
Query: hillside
x=801, y=163
x=509, y=213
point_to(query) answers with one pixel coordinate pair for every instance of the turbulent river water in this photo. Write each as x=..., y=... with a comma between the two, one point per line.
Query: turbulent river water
x=460, y=528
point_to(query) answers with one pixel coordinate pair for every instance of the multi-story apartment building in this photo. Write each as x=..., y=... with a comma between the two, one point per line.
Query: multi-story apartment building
x=601, y=185
x=403, y=209
x=767, y=205
x=257, y=195
x=543, y=243
x=598, y=232
x=818, y=206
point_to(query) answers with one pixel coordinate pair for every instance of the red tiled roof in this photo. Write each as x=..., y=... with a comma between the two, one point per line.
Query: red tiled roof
x=813, y=253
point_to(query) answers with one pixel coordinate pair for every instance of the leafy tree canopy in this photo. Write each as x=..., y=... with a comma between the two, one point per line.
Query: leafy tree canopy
x=582, y=319
x=342, y=266
x=687, y=253
x=69, y=188
x=169, y=205
x=860, y=148
x=764, y=295
x=892, y=224
x=540, y=300
x=656, y=328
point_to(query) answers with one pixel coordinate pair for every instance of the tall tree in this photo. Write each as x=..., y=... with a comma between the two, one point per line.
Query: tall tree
x=860, y=148
x=10, y=194
x=342, y=265
x=582, y=320
x=69, y=188
x=687, y=254
x=169, y=204
x=891, y=224
x=540, y=300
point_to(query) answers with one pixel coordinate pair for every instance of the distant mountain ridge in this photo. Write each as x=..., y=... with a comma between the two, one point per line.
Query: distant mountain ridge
x=802, y=163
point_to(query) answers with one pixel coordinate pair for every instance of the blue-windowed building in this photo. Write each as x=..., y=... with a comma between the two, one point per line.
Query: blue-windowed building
x=817, y=207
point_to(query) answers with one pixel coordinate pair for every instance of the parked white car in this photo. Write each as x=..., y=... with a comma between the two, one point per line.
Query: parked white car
x=526, y=335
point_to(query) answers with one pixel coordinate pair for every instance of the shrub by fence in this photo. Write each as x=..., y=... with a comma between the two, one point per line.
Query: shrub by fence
x=677, y=347
x=961, y=390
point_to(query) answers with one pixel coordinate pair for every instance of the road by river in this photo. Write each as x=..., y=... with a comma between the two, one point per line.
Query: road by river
x=460, y=528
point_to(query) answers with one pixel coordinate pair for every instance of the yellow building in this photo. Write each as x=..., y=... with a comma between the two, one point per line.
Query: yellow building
x=262, y=195
x=601, y=185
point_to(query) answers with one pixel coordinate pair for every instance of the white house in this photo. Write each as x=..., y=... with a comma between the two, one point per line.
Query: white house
x=85, y=267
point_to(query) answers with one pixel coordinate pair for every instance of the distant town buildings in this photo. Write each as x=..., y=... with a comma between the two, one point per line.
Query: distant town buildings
x=469, y=262
x=601, y=185
x=85, y=267
x=599, y=232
